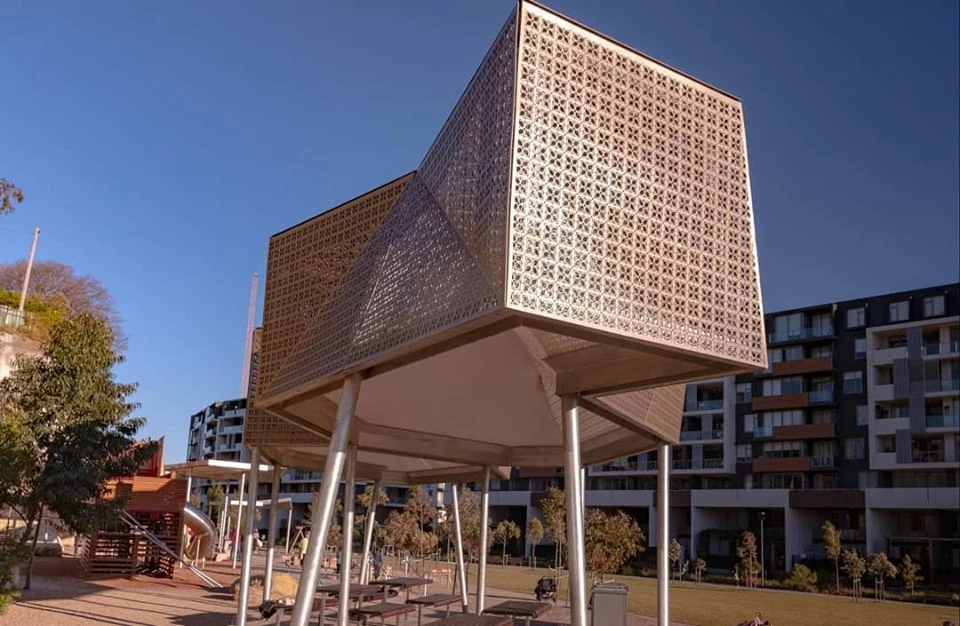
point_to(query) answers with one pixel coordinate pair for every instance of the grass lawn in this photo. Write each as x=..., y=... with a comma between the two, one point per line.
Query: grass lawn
x=719, y=605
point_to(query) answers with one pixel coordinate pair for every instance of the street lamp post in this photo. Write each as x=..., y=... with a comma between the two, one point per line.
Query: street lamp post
x=763, y=516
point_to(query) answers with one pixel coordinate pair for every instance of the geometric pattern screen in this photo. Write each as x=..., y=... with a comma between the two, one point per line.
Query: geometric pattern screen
x=575, y=180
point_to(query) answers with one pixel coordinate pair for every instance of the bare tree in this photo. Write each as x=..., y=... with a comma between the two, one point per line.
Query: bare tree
x=9, y=193
x=54, y=280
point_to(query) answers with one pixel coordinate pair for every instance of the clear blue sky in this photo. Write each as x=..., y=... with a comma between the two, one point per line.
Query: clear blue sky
x=160, y=144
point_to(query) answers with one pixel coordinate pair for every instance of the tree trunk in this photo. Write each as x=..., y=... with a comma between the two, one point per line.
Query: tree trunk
x=504, y=553
x=33, y=551
x=836, y=568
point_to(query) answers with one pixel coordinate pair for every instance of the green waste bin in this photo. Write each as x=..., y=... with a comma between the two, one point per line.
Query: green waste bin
x=608, y=605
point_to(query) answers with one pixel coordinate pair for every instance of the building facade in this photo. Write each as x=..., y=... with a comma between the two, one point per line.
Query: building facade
x=856, y=421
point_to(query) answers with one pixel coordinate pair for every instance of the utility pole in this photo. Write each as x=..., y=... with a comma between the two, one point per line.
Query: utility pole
x=26, y=275
x=248, y=347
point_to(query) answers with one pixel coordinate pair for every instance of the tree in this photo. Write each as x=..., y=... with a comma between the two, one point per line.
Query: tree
x=610, y=540
x=421, y=513
x=747, y=553
x=503, y=533
x=52, y=280
x=553, y=508
x=470, y=516
x=881, y=567
x=534, y=537
x=698, y=568
x=802, y=578
x=215, y=498
x=910, y=573
x=9, y=193
x=67, y=429
x=831, y=545
x=365, y=501
x=674, y=552
x=854, y=566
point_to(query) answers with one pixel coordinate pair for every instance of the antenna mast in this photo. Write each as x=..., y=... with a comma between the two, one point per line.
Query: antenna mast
x=248, y=345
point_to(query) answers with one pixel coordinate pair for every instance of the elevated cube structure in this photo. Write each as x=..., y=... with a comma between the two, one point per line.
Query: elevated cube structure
x=582, y=225
x=576, y=245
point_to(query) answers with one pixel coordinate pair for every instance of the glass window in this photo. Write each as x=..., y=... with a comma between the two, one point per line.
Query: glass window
x=744, y=452
x=861, y=415
x=821, y=324
x=821, y=352
x=821, y=416
x=933, y=306
x=860, y=348
x=793, y=353
x=853, y=382
x=899, y=311
x=886, y=443
x=856, y=317
x=853, y=448
x=744, y=392
x=749, y=422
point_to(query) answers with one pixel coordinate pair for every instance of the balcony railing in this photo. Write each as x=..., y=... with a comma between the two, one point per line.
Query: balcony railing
x=803, y=333
x=821, y=395
x=713, y=464
x=946, y=347
x=651, y=464
x=763, y=432
x=682, y=464
x=928, y=456
x=717, y=433
x=822, y=462
x=691, y=435
x=704, y=405
x=943, y=421
x=934, y=385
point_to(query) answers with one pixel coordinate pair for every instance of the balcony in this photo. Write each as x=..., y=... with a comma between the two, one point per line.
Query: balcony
x=713, y=464
x=763, y=432
x=802, y=366
x=943, y=421
x=691, y=435
x=821, y=396
x=822, y=462
x=774, y=403
x=804, y=431
x=941, y=348
x=703, y=405
x=782, y=464
x=682, y=464
x=929, y=456
x=812, y=332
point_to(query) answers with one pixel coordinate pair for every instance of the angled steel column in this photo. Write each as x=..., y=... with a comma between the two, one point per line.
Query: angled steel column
x=289, y=522
x=237, y=531
x=271, y=532
x=461, y=568
x=571, y=446
x=320, y=523
x=244, y=595
x=663, y=536
x=183, y=530
x=484, y=531
x=346, y=556
x=371, y=514
x=226, y=522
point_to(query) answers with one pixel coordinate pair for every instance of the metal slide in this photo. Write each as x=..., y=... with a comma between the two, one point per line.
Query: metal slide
x=149, y=536
x=206, y=531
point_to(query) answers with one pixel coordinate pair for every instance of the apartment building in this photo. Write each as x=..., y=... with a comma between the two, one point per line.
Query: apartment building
x=854, y=421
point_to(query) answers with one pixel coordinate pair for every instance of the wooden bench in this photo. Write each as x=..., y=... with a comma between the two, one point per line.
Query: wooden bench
x=435, y=600
x=382, y=610
x=519, y=608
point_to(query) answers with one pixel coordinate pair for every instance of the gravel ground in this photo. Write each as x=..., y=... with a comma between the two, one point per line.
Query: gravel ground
x=62, y=596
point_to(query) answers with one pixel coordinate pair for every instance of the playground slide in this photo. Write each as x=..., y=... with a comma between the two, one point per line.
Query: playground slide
x=206, y=531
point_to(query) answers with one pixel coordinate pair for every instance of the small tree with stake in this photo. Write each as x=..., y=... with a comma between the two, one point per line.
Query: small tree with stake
x=553, y=508
x=881, y=567
x=747, y=553
x=675, y=555
x=910, y=573
x=698, y=567
x=534, y=537
x=610, y=540
x=854, y=566
x=831, y=545
x=503, y=533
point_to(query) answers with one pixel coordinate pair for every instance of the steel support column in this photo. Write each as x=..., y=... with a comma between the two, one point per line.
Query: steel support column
x=346, y=551
x=271, y=532
x=663, y=536
x=237, y=531
x=575, y=539
x=484, y=533
x=371, y=514
x=248, y=543
x=461, y=567
x=323, y=514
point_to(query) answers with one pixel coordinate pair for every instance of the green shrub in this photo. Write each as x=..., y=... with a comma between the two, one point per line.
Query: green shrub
x=802, y=578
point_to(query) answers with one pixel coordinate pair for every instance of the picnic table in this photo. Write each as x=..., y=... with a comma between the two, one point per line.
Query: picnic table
x=433, y=600
x=382, y=610
x=468, y=619
x=403, y=583
x=356, y=592
x=519, y=608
